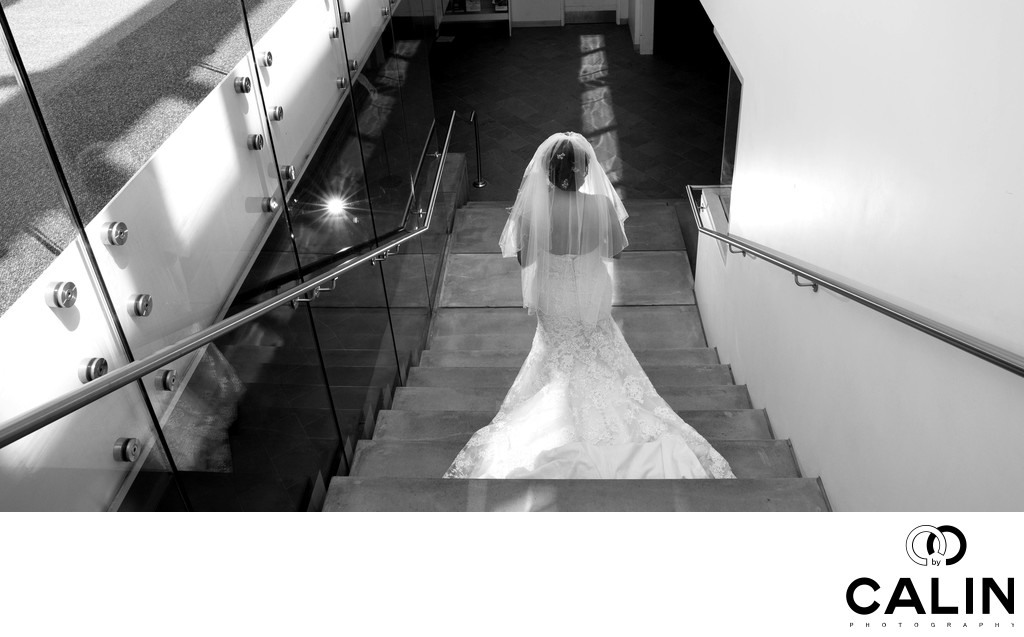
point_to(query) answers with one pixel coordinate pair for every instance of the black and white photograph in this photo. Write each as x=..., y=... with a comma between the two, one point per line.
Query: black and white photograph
x=682, y=271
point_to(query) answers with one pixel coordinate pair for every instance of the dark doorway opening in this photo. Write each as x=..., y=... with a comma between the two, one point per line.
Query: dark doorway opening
x=685, y=35
x=732, y=126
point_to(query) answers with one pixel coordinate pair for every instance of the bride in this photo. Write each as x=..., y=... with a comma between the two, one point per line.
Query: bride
x=581, y=406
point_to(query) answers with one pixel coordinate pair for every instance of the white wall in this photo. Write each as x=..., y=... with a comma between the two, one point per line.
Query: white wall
x=591, y=5
x=641, y=25
x=537, y=12
x=881, y=142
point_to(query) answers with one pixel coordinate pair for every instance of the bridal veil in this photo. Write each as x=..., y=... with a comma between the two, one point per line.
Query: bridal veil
x=566, y=207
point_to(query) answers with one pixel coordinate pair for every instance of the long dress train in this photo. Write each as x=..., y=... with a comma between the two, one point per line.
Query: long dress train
x=582, y=407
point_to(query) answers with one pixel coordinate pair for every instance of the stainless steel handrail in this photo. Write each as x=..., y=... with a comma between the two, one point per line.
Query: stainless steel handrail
x=36, y=419
x=1011, y=362
x=480, y=182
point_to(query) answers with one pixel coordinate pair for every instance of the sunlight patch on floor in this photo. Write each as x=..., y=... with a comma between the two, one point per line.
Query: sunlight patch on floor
x=597, y=110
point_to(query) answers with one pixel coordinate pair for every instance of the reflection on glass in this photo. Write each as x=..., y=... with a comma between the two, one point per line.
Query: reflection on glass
x=264, y=14
x=103, y=457
x=115, y=86
x=301, y=57
x=55, y=333
x=35, y=226
x=411, y=56
x=156, y=120
x=252, y=426
x=429, y=245
x=377, y=94
x=329, y=208
x=358, y=347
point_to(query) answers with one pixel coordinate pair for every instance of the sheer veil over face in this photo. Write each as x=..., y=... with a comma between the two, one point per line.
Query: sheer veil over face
x=567, y=217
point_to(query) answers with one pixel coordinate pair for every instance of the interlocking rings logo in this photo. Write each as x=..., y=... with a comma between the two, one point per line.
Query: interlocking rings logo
x=935, y=535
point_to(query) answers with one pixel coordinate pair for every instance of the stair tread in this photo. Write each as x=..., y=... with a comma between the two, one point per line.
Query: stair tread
x=431, y=458
x=512, y=329
x=397, y=424
x=661, y=377
x=501, y=358
x=490, y=398
x=437, y=494
x=639, y=278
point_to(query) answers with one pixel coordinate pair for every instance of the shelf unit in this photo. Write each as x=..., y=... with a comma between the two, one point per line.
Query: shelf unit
x=486, y=14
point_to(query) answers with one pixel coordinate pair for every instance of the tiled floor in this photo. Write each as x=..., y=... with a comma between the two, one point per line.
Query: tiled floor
x=657, y=125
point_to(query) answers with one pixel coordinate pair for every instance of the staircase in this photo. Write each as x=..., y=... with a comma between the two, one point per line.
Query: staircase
x=478, y=339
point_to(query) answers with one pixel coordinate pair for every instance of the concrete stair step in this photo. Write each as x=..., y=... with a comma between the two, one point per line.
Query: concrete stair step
x=490, y=398
x=651, y=226
x=494, y=358
x=436, y=494
x=397, y=424
x=508, y=329
x=638, y=278
x=431, y=458
x=661, y=377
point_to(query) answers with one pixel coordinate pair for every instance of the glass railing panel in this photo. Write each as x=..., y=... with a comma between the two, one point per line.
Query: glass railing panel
x=409, y=302
x=115, y=87
x=388, y=159
x=103, y=457
x=53, y=315
x=158, y=123
x=358, y=347
x=253, y=428
x=57, y=333
x=429, y=245
x=366, y=20
x=35, y=226
x=411, y=58
x=263, y=15
x=330, y=209
x=302, y=73
x=192, y=242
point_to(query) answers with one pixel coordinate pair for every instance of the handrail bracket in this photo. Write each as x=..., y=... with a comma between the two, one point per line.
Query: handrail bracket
x=315, y=294
x=813, y=284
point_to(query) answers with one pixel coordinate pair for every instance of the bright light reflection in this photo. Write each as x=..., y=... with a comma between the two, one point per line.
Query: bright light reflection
x=335, y=206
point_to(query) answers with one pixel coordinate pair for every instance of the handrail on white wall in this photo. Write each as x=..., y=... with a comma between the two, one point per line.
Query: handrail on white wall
x=41, y=416
x=984, y=350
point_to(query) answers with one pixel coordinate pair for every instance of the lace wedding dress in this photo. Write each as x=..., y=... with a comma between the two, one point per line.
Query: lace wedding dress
x=581, y=405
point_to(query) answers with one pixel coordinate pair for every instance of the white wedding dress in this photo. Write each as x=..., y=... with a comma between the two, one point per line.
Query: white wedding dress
x=581, y=405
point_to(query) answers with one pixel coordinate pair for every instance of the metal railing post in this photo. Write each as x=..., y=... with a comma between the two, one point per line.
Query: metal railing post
x=480, y=181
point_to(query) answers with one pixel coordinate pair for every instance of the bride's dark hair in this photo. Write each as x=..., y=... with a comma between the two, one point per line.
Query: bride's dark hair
x=562, y=169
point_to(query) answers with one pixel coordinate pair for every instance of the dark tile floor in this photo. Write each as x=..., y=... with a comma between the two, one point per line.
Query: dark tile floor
x=656, y=124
